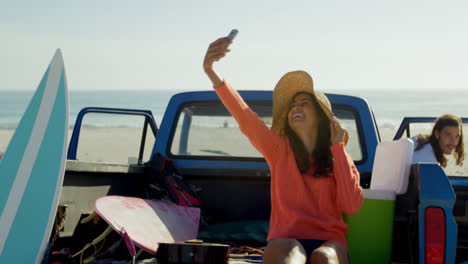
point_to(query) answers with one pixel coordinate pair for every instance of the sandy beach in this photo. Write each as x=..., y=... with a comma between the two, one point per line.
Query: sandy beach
x=121, y=145
x=112, y=145
x=5, y=136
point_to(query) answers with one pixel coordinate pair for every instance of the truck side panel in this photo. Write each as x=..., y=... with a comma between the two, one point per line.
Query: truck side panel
x=436, y=191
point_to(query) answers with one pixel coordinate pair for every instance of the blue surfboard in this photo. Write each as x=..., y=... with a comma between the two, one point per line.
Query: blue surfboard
x=32, y=169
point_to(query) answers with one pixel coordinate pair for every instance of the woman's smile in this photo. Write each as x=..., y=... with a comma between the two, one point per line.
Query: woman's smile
x=302, y=111
x=298, y=116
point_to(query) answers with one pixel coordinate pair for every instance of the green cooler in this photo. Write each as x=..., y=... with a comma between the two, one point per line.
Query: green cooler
x=371, y=229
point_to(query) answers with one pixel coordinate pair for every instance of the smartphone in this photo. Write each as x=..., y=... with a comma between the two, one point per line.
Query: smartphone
x=233, y=34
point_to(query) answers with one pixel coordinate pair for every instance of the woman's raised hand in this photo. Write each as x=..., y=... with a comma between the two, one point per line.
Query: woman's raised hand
x=215, y=52
x=337, y=131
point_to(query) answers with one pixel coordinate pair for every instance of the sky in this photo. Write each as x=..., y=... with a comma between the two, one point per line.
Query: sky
x=151, y=44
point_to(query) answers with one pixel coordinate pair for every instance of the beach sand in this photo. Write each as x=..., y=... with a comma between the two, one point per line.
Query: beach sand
x=112, y=145
x=121, y=145
x=5, y=136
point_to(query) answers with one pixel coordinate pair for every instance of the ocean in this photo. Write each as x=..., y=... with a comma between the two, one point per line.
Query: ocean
x=389, y=106
x=13, y=104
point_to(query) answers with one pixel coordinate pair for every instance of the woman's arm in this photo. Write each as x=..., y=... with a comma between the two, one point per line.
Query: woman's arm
x=349, y=192
x=215, y=52
x=261, y=137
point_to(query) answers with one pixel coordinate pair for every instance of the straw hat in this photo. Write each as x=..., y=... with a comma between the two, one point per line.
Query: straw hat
x=289, y=85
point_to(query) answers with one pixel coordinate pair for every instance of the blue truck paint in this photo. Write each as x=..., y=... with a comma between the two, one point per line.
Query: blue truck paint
x=458, y=181
x=435, y=190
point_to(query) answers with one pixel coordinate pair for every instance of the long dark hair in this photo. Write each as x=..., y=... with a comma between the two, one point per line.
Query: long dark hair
x=322, y=154
x=440, y=124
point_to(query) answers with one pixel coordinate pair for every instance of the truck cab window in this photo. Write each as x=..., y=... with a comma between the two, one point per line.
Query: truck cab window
x=113, y=138
x=208, y=129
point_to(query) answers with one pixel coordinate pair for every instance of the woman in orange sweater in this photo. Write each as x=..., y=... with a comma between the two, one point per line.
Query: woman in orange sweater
x=313, y=179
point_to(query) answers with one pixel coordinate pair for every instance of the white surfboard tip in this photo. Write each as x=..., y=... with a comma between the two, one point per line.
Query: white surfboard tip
x=58, y=56
x=58, y=51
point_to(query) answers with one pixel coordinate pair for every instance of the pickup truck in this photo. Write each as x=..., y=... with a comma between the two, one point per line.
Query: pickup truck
x=429, y=223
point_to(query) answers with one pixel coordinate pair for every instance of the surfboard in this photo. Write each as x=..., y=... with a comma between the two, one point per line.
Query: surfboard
x=32, y=169
x=147, y=222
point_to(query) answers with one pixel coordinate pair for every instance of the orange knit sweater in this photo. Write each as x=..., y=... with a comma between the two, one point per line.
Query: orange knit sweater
x=302, y=206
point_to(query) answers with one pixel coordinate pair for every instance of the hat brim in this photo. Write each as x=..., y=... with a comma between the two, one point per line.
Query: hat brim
x=287, y=87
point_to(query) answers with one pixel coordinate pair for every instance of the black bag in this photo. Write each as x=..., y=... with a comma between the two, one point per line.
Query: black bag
x=165, y=182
